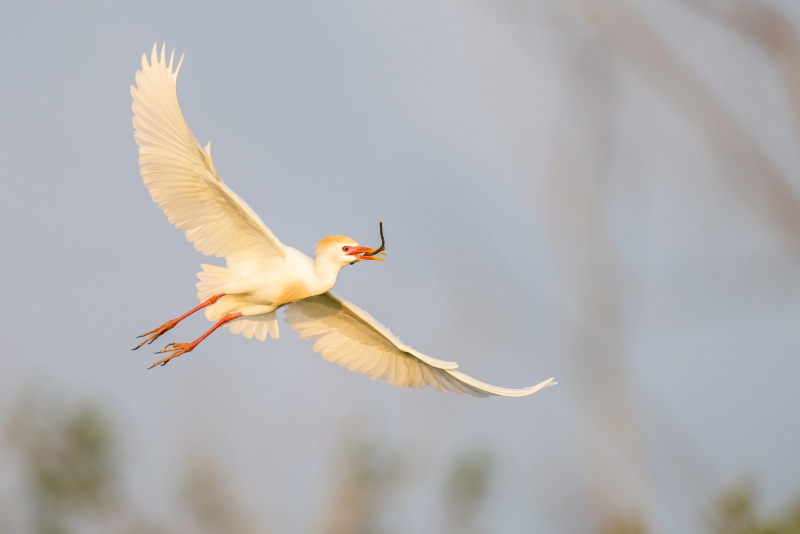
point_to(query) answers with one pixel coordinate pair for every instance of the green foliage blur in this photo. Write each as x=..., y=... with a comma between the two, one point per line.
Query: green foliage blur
x=68, y=479
x=736, y=512
x=68, y=462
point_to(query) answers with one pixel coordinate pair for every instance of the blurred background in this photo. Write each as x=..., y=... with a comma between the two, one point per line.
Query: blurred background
x=604, y=191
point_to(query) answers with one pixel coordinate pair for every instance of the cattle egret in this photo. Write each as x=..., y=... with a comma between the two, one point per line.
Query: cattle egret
x=261, y=273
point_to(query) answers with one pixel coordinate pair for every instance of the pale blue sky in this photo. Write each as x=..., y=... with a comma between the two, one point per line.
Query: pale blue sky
x=440, y=118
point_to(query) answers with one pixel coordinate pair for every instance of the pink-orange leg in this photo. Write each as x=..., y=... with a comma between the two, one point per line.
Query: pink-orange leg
x=155, y=333
x=182, y=348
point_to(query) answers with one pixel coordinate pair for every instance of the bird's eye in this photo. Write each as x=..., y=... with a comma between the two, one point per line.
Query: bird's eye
x=346, y=249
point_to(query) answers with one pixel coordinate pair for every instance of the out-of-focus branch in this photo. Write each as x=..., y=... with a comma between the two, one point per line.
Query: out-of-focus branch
x=759, y=22
x=212, y=505
x=466, y=489
x=574, y=200
x=367, y=475
x=757, y=181
x=617, y=476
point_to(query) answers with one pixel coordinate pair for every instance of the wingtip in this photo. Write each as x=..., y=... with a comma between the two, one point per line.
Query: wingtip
x=545, y=383
x=180, y=62
x=540, y=386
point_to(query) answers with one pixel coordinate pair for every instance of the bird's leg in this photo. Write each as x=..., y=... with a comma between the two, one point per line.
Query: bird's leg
x=182, y=348
x=155, y=333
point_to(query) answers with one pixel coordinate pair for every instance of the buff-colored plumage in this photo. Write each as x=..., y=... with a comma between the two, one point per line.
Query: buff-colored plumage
x=261, y=273
x=332, y=241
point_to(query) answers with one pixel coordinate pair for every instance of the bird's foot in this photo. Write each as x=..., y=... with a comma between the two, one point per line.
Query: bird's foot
x=174, y=350
x=155, y=333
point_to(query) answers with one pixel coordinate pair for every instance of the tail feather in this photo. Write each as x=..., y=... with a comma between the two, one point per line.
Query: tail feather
x=215, y=280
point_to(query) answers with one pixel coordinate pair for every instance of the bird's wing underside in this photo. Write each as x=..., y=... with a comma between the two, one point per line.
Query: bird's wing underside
x=181, y=176
x=349, y=336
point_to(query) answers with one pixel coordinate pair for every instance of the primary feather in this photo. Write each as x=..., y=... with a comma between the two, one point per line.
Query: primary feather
x=181, y=176
x=349, y=336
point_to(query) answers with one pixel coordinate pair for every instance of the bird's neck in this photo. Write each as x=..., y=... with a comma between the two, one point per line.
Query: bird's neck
x=326, y=272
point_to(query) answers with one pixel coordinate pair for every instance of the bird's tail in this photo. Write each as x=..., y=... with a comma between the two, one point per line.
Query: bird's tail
x=214, y=280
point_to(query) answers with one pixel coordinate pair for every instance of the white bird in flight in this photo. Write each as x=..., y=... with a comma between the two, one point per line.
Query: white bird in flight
x=262, y=274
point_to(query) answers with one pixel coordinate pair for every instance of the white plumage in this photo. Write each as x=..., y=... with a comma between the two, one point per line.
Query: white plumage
x=261, y=273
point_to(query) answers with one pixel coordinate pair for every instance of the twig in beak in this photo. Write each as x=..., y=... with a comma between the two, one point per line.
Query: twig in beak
x=379, y=249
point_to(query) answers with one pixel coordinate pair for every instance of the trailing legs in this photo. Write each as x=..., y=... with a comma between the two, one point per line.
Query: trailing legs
x=155, y=333
x=176, y=349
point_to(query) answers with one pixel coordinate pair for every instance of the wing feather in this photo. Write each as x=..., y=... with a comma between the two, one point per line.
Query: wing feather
x=350, y=337
x=181, y=176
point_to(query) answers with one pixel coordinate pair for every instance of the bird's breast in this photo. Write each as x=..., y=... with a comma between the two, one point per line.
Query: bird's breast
x=292, y=292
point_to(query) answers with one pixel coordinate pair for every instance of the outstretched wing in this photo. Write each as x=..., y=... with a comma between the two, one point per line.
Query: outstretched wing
x=349, y=336
x=181, y=176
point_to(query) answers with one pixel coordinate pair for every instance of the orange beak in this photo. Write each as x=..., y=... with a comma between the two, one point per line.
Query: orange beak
x=358, y=252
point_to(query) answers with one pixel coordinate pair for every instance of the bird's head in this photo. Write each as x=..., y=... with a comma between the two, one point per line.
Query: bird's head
x=343, y=250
